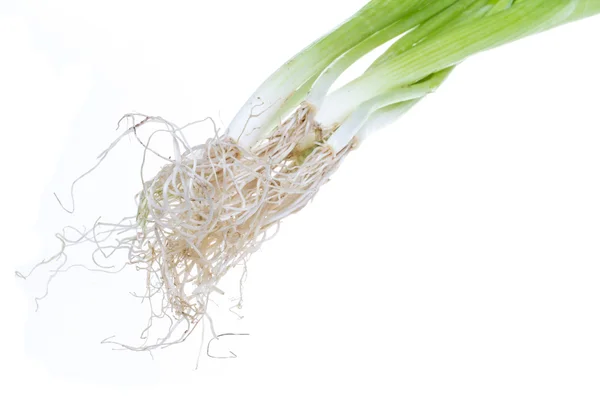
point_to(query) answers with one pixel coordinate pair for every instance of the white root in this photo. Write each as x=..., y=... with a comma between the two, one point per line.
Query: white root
x=208, y=210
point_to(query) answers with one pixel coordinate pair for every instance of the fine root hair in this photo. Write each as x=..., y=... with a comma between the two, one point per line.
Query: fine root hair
x=205, y=212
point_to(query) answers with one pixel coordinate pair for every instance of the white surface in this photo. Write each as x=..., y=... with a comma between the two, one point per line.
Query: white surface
x=454, y=255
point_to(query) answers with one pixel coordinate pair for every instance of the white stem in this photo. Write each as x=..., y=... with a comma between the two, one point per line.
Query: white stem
x=383, y=117
x=351, y=126
x=317, y=94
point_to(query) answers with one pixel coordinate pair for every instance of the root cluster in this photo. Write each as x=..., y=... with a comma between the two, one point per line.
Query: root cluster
x=209, y=208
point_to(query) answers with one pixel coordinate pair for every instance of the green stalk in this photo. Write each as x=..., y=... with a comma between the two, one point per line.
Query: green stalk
x=404, y=24
x=501, y=5
x=463, y=11
x=442, y=51
x=263, y=106
x=389, y=114
x=584, y=9
x=436, y=23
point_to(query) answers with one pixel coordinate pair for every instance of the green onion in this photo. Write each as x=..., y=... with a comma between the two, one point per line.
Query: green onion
x=211, y=206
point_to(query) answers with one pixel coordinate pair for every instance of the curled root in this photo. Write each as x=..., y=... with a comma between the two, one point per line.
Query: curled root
x=211, y=207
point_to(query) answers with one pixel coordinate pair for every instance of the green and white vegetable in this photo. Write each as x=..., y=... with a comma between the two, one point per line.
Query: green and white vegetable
x=211, y=206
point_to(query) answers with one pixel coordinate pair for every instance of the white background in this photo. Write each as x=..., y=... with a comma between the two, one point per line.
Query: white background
x=454, y=255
